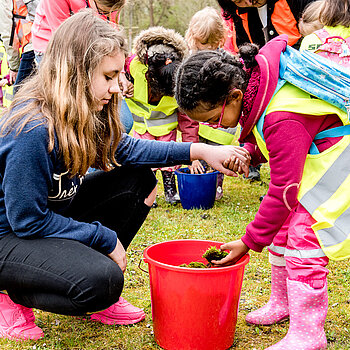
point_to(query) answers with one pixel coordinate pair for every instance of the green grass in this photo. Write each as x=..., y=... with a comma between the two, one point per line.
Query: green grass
x=225, y=222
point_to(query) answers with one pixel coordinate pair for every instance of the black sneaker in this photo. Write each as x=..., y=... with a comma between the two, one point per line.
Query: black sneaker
x=254, y=174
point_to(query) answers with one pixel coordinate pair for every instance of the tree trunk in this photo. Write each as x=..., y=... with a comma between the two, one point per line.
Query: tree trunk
x=151, y=13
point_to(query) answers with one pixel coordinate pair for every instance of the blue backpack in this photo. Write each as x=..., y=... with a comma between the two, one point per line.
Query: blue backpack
x=319, y=77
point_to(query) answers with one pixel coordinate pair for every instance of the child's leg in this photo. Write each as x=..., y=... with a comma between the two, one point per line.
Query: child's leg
x=169, y=183
x=26, y=68
x=307, y=286
x=276, y=309
x=219, y=184
x=147, y=136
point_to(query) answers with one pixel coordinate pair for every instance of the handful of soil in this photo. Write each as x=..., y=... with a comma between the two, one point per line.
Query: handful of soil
x=210, y=254
x=214, y=253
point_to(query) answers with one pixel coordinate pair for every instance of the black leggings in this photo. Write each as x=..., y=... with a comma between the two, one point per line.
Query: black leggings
x=65, y=276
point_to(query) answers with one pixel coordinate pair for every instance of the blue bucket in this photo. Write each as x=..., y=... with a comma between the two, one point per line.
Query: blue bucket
x=197, y=191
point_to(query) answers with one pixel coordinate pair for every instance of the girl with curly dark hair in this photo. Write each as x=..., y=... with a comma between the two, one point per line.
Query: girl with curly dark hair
x=222, y=90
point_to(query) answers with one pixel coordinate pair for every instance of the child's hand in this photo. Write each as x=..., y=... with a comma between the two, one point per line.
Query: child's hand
x=3, y=82
x=13, y=76
x=196, y=167
x=126, y=87
x=238, y=165
x=237, y=250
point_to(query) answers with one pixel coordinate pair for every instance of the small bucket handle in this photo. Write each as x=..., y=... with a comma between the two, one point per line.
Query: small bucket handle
x=141, y=260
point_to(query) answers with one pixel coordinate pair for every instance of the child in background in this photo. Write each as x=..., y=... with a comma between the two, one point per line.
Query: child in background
x=206, y=31
x=333, y=40
x=158, y=53
x=310, y=18
x=215, y=87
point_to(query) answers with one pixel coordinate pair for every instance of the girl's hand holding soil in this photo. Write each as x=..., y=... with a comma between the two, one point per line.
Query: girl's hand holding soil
x=237, y=250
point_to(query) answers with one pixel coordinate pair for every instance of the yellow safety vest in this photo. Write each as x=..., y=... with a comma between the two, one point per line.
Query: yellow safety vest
x=325, y=185
x=7, y=90
x=158, y=119
x=220, y=135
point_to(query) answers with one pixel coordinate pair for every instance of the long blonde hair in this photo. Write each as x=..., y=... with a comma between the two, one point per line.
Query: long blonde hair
x=60, y=96
x=207, y=27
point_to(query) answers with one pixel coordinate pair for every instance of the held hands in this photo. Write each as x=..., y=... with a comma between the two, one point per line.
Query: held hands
x=118, y=255
x=237, y=165
x=196, y=167
x=222, y=157
x=237, y=250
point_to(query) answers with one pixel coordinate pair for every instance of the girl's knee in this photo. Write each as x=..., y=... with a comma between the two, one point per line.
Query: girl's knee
x=103, y=288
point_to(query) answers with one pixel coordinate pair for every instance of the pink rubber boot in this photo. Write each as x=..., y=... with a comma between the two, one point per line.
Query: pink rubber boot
x=308, y=311
x=276, y=309
x=17, y=321
x=122, y=312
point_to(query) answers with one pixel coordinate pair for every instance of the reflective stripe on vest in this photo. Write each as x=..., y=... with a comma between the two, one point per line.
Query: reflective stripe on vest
x=294, y=253
x=21, y=27
x=158, y=119
x=325, y=185
x=220, y=135
x=8, y=96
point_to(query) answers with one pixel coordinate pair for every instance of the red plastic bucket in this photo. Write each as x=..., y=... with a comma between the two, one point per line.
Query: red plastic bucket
x=192, y=308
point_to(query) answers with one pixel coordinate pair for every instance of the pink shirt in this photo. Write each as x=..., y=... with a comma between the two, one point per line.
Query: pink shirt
x=288, y=137
x=50, y=14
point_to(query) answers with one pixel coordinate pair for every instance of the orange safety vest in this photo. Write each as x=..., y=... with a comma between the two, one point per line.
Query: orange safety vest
x=21, y=27
x=282, y=19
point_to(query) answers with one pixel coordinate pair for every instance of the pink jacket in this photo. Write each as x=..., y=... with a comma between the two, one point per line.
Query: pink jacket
x=288, y=138
x=49, y=15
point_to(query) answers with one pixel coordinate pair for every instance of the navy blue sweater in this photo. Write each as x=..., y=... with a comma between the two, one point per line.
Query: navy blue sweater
x=35, y=189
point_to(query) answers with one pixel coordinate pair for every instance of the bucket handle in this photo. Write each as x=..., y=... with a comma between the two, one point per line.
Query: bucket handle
x=141, y=260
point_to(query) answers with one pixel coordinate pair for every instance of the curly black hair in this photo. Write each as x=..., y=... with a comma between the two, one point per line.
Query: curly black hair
x=207, y=77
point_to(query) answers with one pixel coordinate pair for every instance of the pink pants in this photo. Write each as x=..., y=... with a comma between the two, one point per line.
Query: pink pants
x=297, y=242
x=168, y=137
